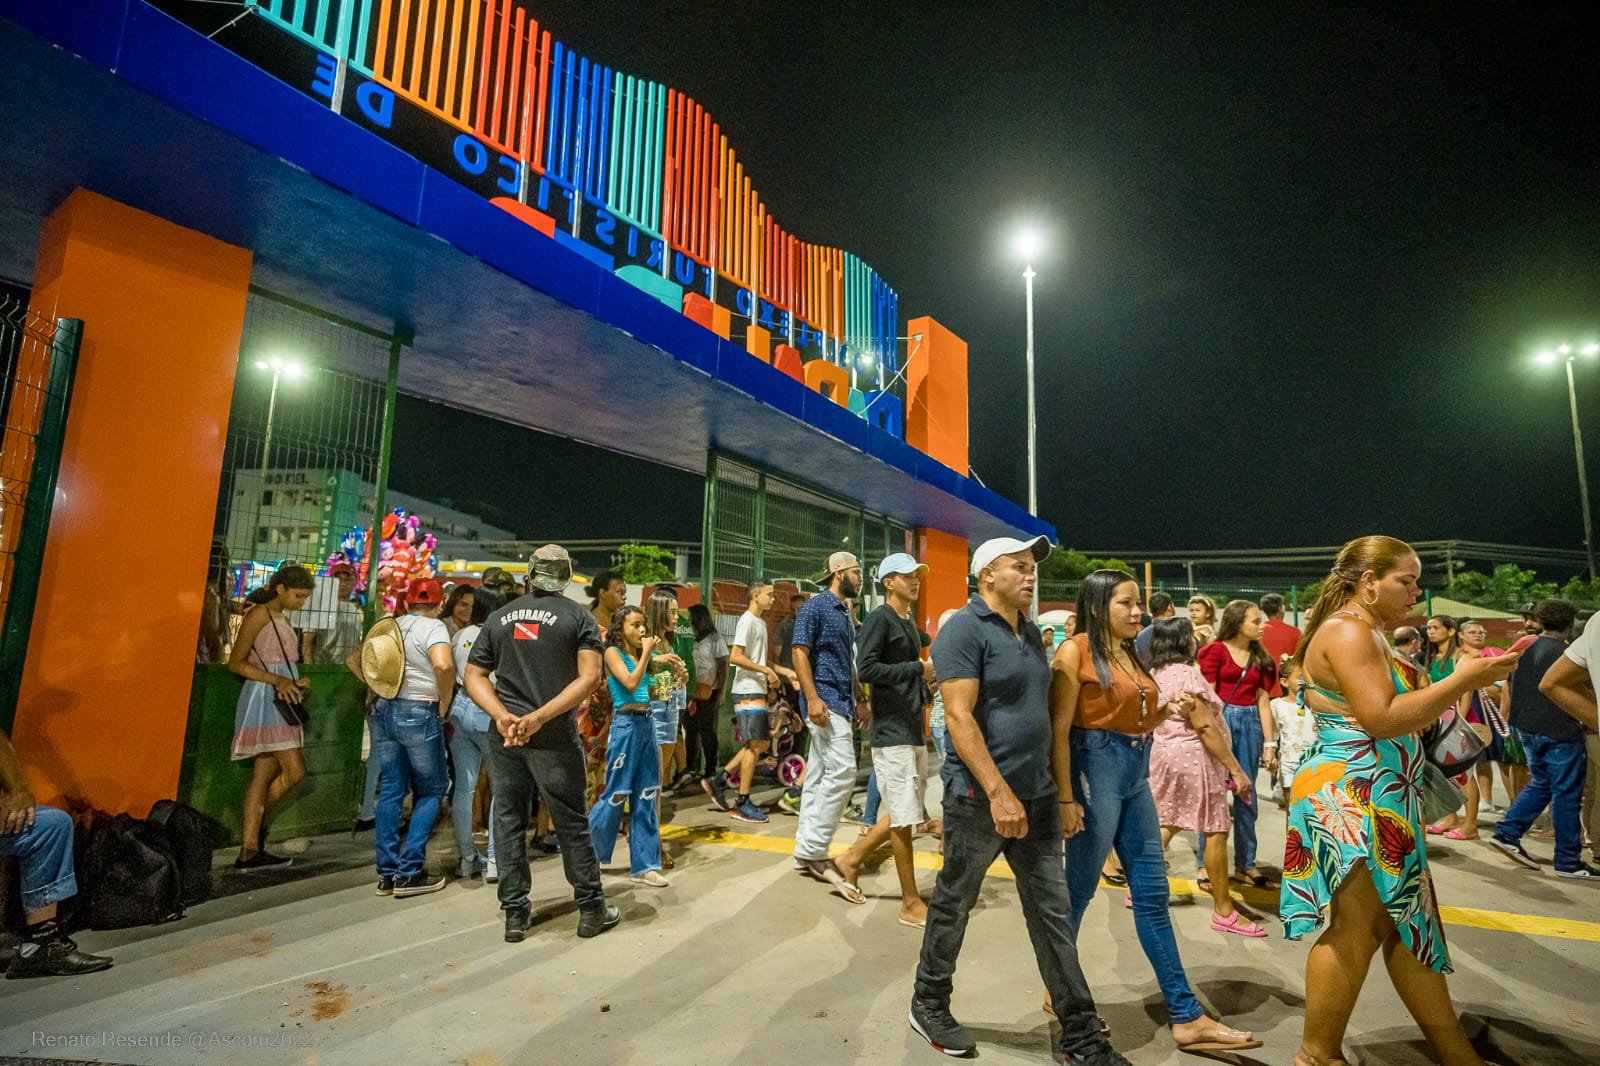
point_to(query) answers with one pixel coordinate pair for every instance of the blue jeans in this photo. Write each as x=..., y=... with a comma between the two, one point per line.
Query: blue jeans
x=408, y=741
x=1245, y=725
x=971, y=845
x=633, y=778
x=1111, y=779
x=869, y=814
x=45, y=851
x=469, y=746
x=1556, y=772
x=369, y=787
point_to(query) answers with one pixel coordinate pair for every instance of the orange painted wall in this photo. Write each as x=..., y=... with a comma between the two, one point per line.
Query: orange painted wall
x=831, y=381
x=945, y=587
x=936, y=394
x=105, y=689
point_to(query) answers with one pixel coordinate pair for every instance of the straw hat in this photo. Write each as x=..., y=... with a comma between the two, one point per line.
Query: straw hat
x=383, y=658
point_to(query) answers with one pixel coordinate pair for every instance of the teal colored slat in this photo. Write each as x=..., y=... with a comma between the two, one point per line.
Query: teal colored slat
x=363, y=28
x=323, y=8
x=636, y=115
x=615, y=193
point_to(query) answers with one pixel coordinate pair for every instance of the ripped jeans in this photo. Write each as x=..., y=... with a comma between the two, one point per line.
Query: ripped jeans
x=633, y=778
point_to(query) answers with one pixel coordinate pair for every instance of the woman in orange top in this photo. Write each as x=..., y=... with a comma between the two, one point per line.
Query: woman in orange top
x=1113, y=704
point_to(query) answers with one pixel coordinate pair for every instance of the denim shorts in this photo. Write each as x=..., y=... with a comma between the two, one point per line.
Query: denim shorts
x=664, y=717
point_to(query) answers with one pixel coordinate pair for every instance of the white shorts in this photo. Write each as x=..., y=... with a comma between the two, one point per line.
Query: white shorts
x=901, y=771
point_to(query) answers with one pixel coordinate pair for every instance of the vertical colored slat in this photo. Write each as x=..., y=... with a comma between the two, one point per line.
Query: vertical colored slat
x=540, y=103
x=506, y=132
x=441, y=15
x=471, y=41
x=616, y=191
x=485, y=46
x=503, y=38
x=670, y=170
x=358, y=46
x=321, y=30
x=452, y=65
x=402, y=41
x=380, y=64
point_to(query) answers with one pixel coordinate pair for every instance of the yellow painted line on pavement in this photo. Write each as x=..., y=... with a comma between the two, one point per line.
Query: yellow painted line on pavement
x=1469, y=917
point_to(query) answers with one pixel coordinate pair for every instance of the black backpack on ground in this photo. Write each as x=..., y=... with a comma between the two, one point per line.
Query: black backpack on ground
x=128, y=876
x=193, y=836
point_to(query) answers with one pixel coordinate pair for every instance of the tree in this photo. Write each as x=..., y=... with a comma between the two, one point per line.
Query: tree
x=1507, y=588
x=643, y=564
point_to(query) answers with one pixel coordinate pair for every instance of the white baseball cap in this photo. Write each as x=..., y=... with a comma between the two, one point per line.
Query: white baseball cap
x=990, y=550
x=900, y=563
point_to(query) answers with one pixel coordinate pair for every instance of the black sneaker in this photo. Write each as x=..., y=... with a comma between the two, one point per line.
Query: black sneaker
x=548, y=844
x=56, y=957
x=1513, y=850
x=715, y=787
x=518, y=919
x=386, y=885
x=1100, y=1056
x=418, y=884
x=260, y=859
x=594, y=922
x=1583, y=872
x=934, y=1023
x=364, y=825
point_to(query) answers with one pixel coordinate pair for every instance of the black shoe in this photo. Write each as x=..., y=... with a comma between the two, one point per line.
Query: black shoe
x=386, y=885
x=418, y=884
x=1583, y=872
x=714, y=788
x=934, y=1023
x=594, y=922
x=363, y=825
x=260, y=859
x=56, y=957
x=1100, y=1056
x=548, y=844
x=518, y=919
x=1513, y=850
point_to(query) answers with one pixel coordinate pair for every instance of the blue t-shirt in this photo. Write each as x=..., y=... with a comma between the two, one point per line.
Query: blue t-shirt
x=825, y=629
x=619, y=691
x=1013, y=706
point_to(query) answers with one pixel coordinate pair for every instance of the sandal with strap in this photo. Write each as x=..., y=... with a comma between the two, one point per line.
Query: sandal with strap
x=1226, y=1039
x=1237, y=924
x=1456, y=834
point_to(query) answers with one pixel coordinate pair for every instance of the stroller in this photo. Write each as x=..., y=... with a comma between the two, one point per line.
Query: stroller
x=782, y=764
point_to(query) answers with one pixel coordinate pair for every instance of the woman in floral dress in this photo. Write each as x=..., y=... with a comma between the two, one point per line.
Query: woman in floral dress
x=1355, y=853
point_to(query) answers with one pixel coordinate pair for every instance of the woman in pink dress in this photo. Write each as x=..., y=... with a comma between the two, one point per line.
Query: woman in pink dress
x=1193, y=770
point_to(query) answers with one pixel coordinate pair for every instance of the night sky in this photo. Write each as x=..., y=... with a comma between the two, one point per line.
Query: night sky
x=1298, y=261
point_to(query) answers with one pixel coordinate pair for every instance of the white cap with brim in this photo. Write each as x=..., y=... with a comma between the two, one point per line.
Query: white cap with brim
x=900, y=563
x=990, y=550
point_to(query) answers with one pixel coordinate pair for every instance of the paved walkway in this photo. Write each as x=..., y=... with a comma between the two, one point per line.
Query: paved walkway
x=741, y=960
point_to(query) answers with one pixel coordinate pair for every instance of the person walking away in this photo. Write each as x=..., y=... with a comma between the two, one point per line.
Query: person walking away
x=1277, y=636
x=267, y=721
x=1005, y=793
x=633, y=765
x=1161, y=608
x=711, y=680
x=1109, y=705
x=1552, y=736
x=1355, y=855
x=1193, y=768
x=607, y=592
x=753, y=680
x=889, y=659
x=40, y=839
x=469, y=746
x=825, y=664
x=408, y=741
x=1564, y=685
x=544, y=652
x=1242, y=673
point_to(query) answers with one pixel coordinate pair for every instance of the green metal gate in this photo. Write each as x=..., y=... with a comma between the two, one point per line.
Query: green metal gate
x=40, y=358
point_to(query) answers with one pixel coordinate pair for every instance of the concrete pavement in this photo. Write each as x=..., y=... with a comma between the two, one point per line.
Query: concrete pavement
x=741, y=960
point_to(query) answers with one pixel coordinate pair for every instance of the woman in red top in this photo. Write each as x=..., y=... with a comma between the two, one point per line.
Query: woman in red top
x=1111, y=705
x=1242, y=673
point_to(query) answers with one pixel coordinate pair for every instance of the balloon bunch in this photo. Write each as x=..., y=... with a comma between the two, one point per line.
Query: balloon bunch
x=405, y=554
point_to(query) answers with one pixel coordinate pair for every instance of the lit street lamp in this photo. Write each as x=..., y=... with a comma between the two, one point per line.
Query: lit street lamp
x=280, y=367
x=1549, y=357
x=1028, y=246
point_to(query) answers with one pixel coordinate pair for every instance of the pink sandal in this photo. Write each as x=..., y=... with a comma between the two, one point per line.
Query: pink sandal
x=1437, y=829
x=1237, y=924
x=1456, y=834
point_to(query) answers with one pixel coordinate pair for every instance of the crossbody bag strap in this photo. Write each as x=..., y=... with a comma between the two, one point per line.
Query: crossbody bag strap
x=273, y=622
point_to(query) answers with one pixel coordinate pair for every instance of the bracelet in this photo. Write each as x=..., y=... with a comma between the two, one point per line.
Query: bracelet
x=1269, y=744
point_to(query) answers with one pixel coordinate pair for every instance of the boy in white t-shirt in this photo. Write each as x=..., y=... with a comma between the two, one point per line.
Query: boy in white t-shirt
x=753, y=677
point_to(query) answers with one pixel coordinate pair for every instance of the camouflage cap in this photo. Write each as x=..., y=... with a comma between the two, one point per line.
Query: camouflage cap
x=550, y=568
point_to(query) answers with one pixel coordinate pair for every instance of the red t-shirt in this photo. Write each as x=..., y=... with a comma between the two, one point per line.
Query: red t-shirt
x=1280, y=639
x=1240, y=687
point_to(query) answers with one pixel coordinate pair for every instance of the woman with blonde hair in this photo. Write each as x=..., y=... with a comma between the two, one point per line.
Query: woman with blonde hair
x=1355, y=854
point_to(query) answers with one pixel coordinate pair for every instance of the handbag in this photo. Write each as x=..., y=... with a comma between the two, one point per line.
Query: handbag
x=1491, y=713
x=1453, y=745
x=292, y=713
x=702, y=690
x=1440, y=796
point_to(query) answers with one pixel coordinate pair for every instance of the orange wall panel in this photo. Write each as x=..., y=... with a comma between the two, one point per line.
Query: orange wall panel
x=758, y=342
x=945, y=587
x=936, y=394
x=105, y=688
x=832, y=381
x=717, y=319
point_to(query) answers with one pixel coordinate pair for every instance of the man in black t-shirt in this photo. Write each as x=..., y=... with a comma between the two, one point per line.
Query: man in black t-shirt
x=889, y=661
x=544, y=651
x=1553, y=740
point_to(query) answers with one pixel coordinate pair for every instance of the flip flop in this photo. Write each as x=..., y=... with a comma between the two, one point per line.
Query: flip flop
x=1243, y=1042
x=914, y=925
x=1436, y=830
x=1456, y=834
x=828, y=871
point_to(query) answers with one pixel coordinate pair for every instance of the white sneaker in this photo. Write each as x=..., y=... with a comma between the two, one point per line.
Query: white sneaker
x=491, y=873
x=652, y=878
x=1584, y=872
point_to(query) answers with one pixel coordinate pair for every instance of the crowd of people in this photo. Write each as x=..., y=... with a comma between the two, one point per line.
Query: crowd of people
x=1135, y=727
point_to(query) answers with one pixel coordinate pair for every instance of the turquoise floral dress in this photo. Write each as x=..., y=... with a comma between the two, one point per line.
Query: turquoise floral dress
x=1359, y=799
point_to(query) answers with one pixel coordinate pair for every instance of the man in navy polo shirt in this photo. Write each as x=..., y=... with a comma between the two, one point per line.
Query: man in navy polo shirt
x=825, y=663
x=1002, y=795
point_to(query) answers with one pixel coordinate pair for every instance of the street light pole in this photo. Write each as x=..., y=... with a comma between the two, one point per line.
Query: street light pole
x=1033, y=425
x=1567, y=354
x=278, y=366
x=1583, y=478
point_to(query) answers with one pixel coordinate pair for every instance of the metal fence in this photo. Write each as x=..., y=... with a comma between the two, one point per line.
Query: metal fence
x=39, y=358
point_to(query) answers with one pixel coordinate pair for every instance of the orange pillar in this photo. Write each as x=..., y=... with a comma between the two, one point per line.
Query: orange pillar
x=105, y=688
x=936, y=394
x=945, y=587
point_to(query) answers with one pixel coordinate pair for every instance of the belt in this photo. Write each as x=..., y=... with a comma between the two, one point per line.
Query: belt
x=631, y=711
x=1132, y=740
